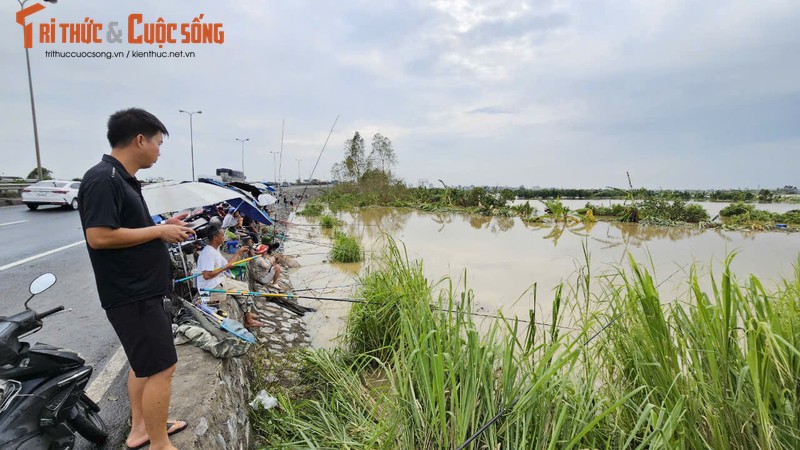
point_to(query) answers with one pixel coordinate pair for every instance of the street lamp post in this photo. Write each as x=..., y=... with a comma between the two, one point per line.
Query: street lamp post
x=274, y=167
x=191, y=136
x=33, y=107
x=242, y=141
x=299, y=177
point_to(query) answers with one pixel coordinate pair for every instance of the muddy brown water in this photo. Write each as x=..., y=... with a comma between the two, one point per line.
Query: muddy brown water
x=503, y=258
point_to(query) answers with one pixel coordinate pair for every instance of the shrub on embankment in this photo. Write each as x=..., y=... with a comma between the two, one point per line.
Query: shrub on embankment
x=720, y=371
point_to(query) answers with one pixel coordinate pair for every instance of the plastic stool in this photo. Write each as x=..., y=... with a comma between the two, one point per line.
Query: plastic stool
x=231, y=246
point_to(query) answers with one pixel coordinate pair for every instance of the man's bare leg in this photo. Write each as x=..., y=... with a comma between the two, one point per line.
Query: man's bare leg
x=149, y=398
x=138, y=432
x=277, y=274
x=250, y=321
x=155, y=406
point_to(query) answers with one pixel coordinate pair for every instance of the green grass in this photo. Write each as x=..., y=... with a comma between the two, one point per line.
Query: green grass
x=717, y=369
x=346, y=249
x=328, y=222
x=312, y=210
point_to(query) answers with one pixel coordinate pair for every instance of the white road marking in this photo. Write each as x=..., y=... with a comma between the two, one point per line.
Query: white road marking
x=111, y=371
x=12, y=223
x=40, y=255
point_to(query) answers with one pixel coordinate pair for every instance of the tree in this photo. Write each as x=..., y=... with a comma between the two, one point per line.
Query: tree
x=382, y=153
x=47, y=174
x=354, y=164
x=507, y=194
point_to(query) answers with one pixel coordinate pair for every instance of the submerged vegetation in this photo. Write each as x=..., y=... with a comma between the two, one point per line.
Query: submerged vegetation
x=346, y=249
x=717, y=369
x=367, y=180
x=377, y=189
x=312, y=209
x=328, y=221
x=741, y=213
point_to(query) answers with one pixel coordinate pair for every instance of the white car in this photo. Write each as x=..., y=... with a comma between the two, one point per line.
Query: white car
x=51, y=192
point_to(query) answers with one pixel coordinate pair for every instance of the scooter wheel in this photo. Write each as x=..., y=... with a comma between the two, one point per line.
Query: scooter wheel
x=88, y=423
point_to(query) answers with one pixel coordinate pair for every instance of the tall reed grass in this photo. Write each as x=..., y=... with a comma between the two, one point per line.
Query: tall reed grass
x=415, y=371
x=328, y=221
x=346, y=249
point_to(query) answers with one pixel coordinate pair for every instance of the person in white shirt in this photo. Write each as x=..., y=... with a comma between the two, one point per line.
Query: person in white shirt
x=213, y=266
x=232, y=219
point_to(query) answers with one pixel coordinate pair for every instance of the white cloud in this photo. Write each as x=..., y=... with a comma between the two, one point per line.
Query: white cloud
x=553, y=92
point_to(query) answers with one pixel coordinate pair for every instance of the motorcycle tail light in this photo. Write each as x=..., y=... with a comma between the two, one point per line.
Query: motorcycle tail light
x=8, y=391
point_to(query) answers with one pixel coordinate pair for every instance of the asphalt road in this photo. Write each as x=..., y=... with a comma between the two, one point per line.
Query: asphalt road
x=83, y=326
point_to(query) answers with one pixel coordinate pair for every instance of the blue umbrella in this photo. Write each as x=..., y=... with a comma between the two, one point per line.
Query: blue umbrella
x=250, y=210
x=243, y=202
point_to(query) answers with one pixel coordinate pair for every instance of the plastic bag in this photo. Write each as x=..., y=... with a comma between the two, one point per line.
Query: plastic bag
x=264, y=400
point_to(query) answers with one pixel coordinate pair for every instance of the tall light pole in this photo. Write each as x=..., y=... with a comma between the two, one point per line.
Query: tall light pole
x=191, y=135
x=242, y=141
x=299, y=178
x=33, y=107
x=274, y=167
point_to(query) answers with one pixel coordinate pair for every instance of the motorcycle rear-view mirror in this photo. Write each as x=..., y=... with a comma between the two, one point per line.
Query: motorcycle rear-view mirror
x=44, y=282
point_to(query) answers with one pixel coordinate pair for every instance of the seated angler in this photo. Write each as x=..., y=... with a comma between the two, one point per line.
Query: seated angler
x=232, y=219
x=263, y=271
x=213, y=267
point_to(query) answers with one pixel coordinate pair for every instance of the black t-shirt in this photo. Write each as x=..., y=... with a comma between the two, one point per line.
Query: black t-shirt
x=110, y=197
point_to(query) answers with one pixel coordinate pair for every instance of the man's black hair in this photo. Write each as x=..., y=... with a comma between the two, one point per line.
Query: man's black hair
x=212, y=231
x=125, y=125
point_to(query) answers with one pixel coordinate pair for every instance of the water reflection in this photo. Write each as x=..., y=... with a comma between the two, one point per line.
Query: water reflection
x=504, y=257
x=374, y=221
x=442, y=219
x=493, y=224
x=479, y=222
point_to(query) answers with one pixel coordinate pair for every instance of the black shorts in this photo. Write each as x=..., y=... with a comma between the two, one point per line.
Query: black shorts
x=146, y=335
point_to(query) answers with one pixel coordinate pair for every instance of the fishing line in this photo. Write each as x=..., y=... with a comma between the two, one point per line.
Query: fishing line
x=191, y=277
x=302, y=194
x=364, y=301
x=327, y=287
x=504, y=409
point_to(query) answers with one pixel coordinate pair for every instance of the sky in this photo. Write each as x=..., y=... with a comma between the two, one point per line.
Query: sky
x=556, y=93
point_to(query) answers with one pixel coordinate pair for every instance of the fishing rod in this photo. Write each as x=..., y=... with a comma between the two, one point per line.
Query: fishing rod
x=191, y=277
x=307, y=241
x=364, y=301
x=302, y=194
x=318, y=225
x=327, y=287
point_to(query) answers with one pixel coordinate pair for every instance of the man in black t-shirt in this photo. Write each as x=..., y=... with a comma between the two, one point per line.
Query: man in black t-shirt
x=132, y=269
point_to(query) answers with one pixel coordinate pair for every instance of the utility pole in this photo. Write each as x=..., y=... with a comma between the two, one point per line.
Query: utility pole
x=33, y=106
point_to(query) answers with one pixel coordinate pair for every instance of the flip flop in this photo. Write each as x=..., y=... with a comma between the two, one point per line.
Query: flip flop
x=170, y=424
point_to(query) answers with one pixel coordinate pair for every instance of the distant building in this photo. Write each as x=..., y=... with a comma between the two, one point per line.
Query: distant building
x=229, y=175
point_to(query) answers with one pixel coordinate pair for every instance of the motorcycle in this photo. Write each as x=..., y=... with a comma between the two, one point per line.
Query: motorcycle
x=42, y=398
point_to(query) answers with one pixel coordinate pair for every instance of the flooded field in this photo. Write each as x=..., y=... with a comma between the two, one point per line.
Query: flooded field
x=713, y=208
x=502, y=258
